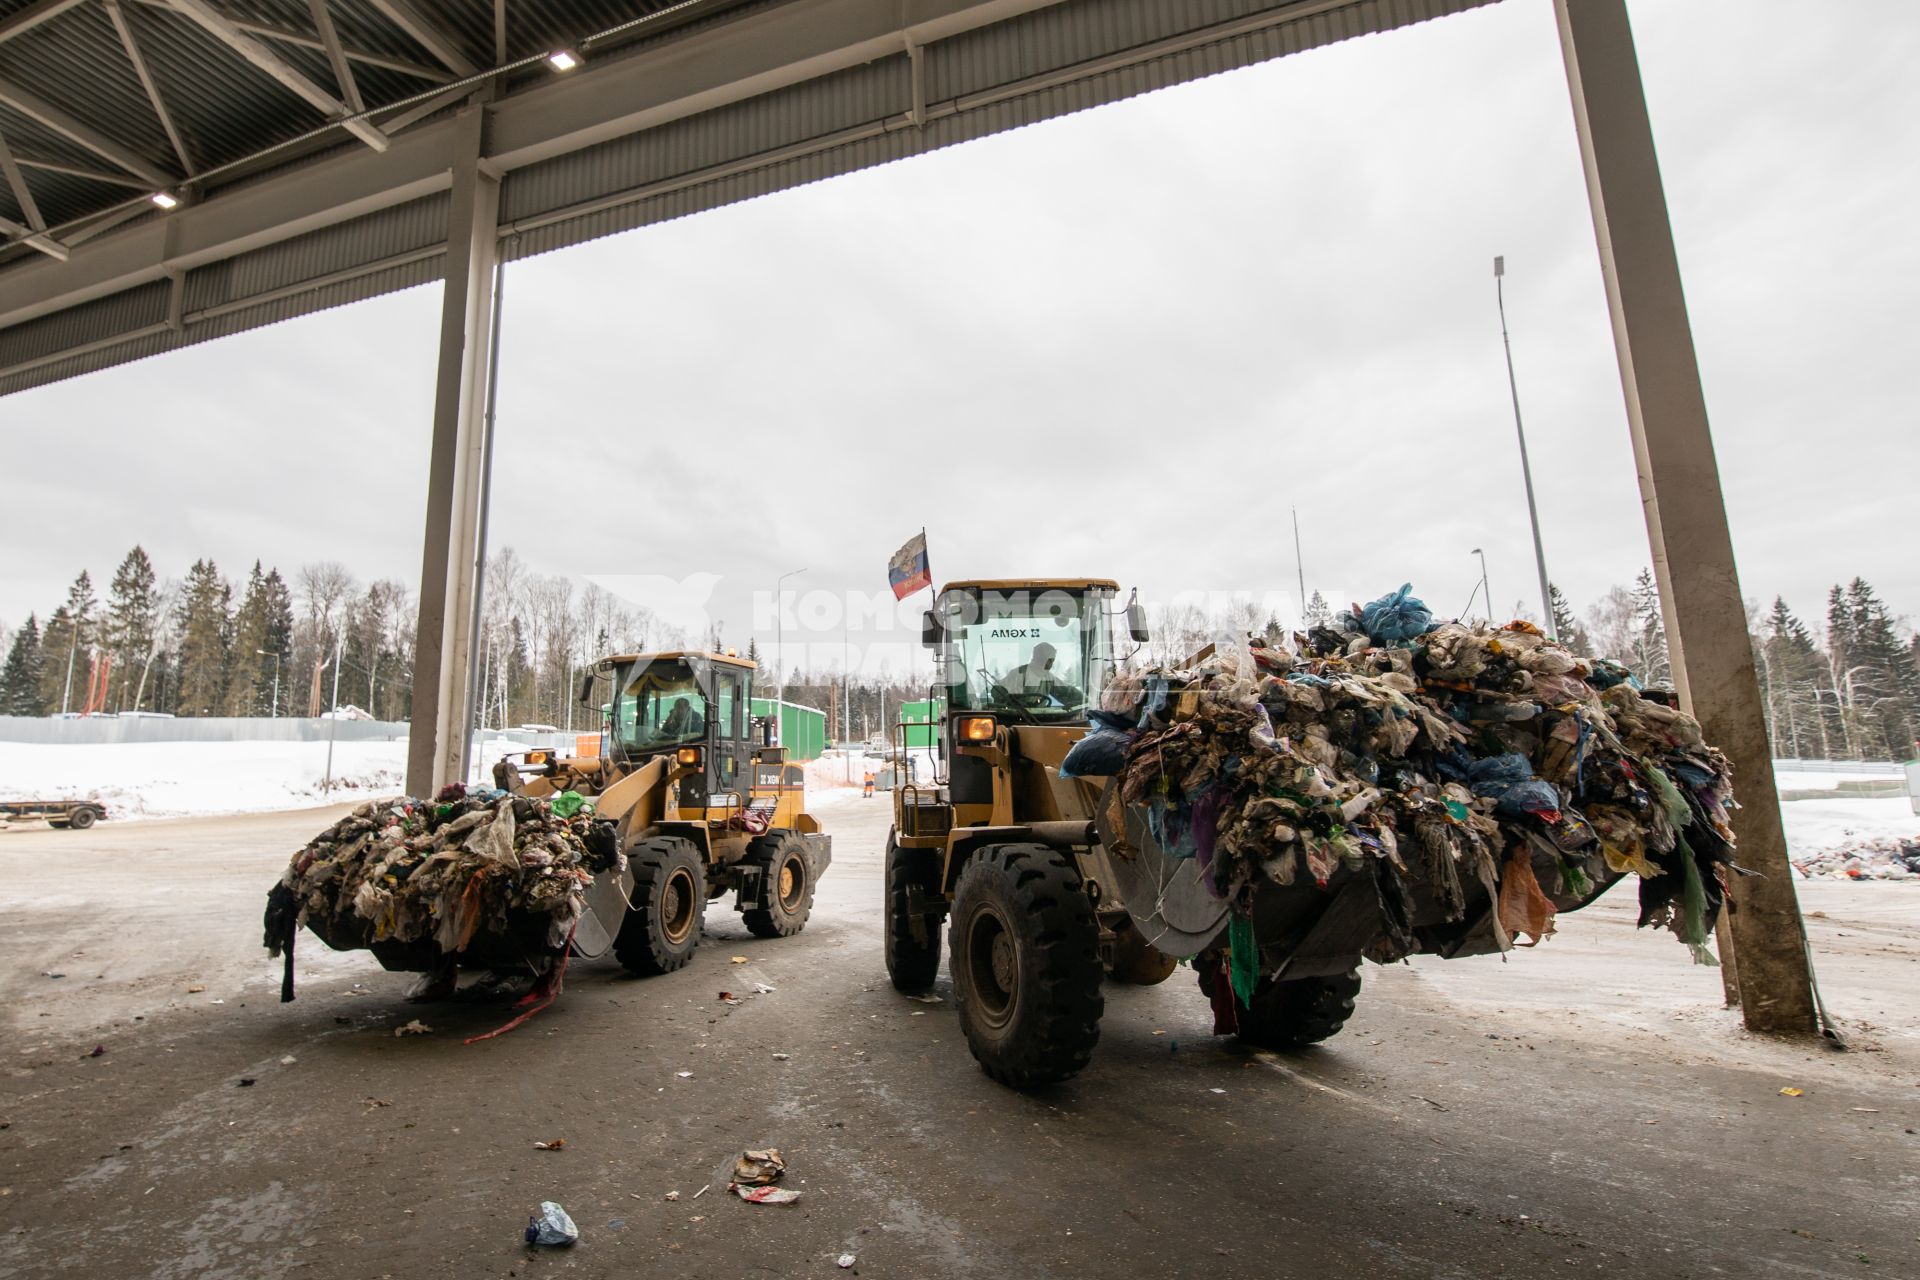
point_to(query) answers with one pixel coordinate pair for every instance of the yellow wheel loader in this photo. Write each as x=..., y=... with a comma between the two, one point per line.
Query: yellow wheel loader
x=706, y=804
x=1047, y=885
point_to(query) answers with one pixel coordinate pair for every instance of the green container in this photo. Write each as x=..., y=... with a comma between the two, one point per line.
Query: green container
x=928, y=712
x=803, y=730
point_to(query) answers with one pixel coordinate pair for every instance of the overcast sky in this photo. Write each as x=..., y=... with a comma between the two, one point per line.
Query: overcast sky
x=1123, y=344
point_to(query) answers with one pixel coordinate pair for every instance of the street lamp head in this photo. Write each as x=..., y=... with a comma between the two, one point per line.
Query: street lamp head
x=1499, y=266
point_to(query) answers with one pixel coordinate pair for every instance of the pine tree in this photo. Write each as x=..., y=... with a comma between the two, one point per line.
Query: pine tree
x=133, y=612
x=1647, y=654
x=1878, y=685
x=1318, y=614
x=1793, y=674
x=20, y=679
x=63, y=647
x=279, y=632
x=1566, y=626
x=205, y=628
x=252, y=669
x=753, y=649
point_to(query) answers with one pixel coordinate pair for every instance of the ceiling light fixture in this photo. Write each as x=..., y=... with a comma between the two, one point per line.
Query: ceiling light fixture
x=563, y=59
x=165, y=199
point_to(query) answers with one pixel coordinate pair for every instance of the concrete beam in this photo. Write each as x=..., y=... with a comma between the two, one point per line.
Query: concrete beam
x=762, y=51
x=1686, y=514
x=450, y=563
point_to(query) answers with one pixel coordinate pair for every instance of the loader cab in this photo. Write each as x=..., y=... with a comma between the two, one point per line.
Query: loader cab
x=1021, y=664
x=692, y=706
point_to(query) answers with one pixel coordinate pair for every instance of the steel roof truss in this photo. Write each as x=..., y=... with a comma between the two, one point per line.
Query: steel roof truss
x=139, y=62
x=18, y=181
x=33, y=15
x=35, y=107
x=266, y=60
x=336, y=56
x=429, y=35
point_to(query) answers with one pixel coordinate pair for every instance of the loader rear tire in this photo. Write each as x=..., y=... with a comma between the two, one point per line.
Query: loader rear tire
x=787, y=879
x=668, y=907
x=1287, y=1015
x=1026, y=964
x=912, y=942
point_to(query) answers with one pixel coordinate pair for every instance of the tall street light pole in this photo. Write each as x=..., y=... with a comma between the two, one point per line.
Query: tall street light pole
x=1526, y=471
x=1486, y=592
x=780, y=642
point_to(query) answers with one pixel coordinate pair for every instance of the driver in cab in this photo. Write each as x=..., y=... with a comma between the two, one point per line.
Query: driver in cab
x=1036, y=677
x=682, y=722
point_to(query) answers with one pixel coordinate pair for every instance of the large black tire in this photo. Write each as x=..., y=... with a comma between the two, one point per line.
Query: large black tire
x=1287, y=1015
x=787, y=880
x=668, y=907
x=1026, y=964
x=912, y=941
x=82, y=818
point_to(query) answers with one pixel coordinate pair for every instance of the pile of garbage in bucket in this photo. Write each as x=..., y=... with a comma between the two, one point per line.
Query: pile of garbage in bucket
x=1484, y=777
x=475, y=875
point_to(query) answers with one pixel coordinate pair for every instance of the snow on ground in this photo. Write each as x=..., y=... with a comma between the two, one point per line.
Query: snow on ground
x=1817, y=826
x=181, y=779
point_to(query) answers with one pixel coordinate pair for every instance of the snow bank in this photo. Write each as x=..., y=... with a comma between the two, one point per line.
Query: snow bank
x=182, y=779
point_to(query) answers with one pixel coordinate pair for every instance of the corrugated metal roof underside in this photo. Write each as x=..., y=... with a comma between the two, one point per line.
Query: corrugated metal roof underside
x=1049, y=63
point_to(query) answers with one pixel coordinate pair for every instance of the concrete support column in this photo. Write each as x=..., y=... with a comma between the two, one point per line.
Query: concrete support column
x=450, y=564
x=1680, y=489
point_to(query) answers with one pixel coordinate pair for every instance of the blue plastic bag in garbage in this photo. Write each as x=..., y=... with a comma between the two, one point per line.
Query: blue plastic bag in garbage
x=1396, y=617
x=551, y=1226
x=1103, y=752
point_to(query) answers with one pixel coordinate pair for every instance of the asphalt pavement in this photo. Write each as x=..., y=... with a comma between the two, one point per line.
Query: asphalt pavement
x=1585, y=1108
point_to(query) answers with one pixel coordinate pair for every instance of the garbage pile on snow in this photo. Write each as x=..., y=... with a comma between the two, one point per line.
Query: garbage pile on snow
x=1483, y=779
x=1881, y=858
x=471, y=874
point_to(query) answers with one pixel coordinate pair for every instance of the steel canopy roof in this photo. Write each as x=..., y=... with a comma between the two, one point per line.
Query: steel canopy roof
x=310, y=142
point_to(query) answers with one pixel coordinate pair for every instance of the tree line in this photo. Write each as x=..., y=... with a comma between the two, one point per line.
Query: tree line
x=273, y=644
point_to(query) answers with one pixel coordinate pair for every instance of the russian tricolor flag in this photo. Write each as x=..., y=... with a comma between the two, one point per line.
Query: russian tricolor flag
x=909, y=571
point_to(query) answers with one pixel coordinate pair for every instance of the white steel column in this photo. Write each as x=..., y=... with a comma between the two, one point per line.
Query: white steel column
x=450, y=564
x=1686, y=515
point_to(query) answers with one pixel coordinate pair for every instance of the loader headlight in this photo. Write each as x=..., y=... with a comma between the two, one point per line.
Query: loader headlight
x=974, y=728
x=536, y=757
x=689, y=756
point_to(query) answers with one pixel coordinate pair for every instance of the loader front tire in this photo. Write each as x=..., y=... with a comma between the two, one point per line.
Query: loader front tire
x=667, y=909
x=786, y=877
x=1026, y=964
x=912, y=942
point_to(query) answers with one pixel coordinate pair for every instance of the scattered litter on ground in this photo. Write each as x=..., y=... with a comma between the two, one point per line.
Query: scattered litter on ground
x=245, y=1082
x=551, y=1226
x=374, y=1104
x=762, y=989
x=414, y=1028
x=288, y=1060
x=95, y=1052
x=558, y=1144
x=702, y=1191
x=216, y=1001
x=195, y=990
x=684, y=1075
x=757, y=1168
x=671, y=1195
x=927, y=999
x=782, y=1057
x=1872, y=1111
x=766, y=1195
x=844, y=1261
x=1792, y=1092
x=1216, y=1091
x=48, y=973
x=738, y=960
x=1873, y=858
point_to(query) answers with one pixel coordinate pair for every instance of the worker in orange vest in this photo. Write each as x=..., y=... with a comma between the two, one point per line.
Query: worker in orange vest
x=867, y=791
